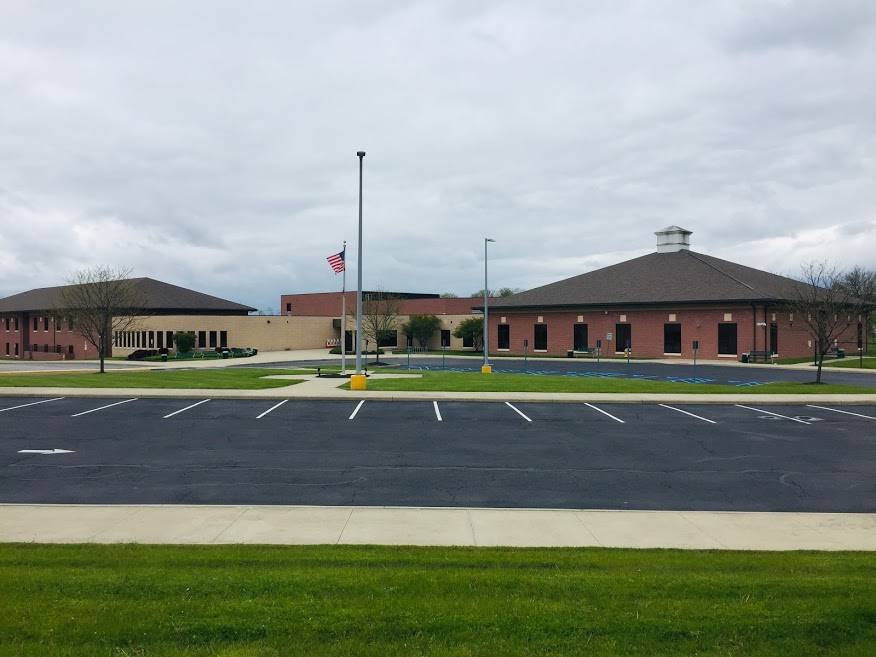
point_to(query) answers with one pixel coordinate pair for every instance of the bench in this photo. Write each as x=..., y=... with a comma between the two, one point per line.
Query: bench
x=764, y=356
x=574, y=353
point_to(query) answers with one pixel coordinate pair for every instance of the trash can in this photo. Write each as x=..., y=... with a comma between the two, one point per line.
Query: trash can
x=744, y=358
x=840, y=353
x=570, y=354
x=163, y=358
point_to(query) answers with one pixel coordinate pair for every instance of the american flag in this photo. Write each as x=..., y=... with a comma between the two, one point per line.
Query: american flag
x=336, y=260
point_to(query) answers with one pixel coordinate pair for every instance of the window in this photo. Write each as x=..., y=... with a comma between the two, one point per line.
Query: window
x=15, y=323
x=774, y=338
x=467, y=341
x=151, y=335
x=142, y=338
x=727, y=339
x=36, y=323
x=202, y=339
x=672, y=338
x=136, y=339
x=288, y=307
x=70, y=349
x=540, y=337
x=7, y=348
x=16, y=348
x=445, y=337
x=45, y=348
x=504, y=336
x=159, y=337
x=623, y=336
x=223, y=338
x=579, y=337
x=387, y=339
x=46, y=323
x=212, y=339
x=169, y=336
x=69, y=323
x=860, y=336
x=7, y=323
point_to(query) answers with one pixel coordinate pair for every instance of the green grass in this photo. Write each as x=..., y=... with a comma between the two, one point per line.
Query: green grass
x=477, y=382
x=254, y=601
x=240, y=378
x=853, y=362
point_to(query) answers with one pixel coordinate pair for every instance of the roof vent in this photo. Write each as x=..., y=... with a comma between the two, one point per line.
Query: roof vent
x=672, y=239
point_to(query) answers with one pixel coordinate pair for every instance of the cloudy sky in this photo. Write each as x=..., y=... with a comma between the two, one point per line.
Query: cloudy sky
x=212, y=144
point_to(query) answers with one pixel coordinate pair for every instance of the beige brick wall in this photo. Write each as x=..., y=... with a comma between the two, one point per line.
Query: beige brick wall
x=263, y=332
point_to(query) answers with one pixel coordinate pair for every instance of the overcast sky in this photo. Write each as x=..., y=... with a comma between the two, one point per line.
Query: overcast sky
x=212, y=144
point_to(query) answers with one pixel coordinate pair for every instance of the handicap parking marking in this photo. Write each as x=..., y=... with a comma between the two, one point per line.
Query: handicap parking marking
x=356, y=410
x=203, y=401
x=596, y=408
x=261, y=415
x=437, y=411
x=44, y=401
x=100, y=408
x=518, y=411
x=836, y=410
x=778, y=415
x=680, y=410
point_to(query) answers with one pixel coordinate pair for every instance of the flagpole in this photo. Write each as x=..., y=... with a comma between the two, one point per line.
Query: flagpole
x=344, y=313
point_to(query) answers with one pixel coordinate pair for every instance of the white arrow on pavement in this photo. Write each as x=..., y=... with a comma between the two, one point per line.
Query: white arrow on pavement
x=45, y=451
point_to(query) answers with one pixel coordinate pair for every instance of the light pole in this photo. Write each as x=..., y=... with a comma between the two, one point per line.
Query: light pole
x=485, y=368
x=357, y=382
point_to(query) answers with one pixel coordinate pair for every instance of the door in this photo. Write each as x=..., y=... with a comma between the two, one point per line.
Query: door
x=580, y=337
x=774, y=338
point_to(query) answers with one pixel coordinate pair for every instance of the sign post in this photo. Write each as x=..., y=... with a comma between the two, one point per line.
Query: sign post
x=598, y=349
x=525, y=348
x=696, y=348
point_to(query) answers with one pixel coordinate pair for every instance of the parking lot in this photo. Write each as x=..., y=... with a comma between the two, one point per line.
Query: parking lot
x=754, y=457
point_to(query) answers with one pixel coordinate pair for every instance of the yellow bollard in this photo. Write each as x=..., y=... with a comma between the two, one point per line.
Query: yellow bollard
x=358, y=382
x=486, y=369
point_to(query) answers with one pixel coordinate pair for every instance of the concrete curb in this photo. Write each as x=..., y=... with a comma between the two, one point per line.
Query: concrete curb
x=294, y=392
x=369, y=525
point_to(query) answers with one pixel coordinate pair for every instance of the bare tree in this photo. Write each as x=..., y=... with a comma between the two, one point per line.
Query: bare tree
x=100, y=301
x=824, y=302
x=379, y=317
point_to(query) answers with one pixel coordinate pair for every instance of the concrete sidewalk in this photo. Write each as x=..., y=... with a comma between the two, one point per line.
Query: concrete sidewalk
x=298, y=525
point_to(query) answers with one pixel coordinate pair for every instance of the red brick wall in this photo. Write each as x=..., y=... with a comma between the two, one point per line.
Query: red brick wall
x=54, y=337
x=647, y=330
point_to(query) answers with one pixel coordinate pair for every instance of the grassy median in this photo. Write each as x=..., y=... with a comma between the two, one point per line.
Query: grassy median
x=238, y=378
x=252, y=601
x=477, y=382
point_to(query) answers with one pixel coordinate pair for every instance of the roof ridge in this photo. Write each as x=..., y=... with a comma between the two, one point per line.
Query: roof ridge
x=720, y=271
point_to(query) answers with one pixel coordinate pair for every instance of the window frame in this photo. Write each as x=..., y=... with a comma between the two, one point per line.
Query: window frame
x=535, y=337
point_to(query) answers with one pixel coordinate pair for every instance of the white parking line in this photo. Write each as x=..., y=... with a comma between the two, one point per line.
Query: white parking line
x=12, y=408
x=100, y=408
x=437, y=412
x=356, y=410
x=596, y=408
x=517, y=410
x=785, y=417
x=704, y=419
x=836, y=410
x=259, y=417
x=203, y=401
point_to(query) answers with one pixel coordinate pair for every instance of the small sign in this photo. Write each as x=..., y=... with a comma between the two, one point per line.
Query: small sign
x=608, y=337
x=599, y=343
x=525, y=342
x=696, y=344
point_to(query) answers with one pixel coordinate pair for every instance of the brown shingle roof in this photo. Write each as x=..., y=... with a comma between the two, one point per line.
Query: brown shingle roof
x=657, y=278
x=158, y=298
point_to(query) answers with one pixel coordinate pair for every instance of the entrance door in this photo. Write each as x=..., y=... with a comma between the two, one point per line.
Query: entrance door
x=348, y=341
x=774, y=338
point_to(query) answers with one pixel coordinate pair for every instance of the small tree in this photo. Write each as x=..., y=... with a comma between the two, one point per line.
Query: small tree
x=379, y=318
x=101, y=301
x=185, y=341
x=861, y=284
x=824, y=302
x=471, y=329
x=421, y=328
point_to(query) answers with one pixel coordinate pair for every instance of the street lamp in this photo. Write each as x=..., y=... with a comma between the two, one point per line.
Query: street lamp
x=485, y=368
x=358, y=380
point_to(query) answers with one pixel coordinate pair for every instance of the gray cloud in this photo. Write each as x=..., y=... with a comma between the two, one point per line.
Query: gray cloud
x=213, y=145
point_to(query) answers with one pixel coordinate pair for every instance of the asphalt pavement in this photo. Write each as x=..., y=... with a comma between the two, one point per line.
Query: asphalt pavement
x=751, y=457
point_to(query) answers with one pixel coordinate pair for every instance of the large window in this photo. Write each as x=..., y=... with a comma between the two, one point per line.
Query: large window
x=504, y=336
x=387, y=339
x=774, y=338
x=623, y=336
x=467, y=341
x=579, y=335
x=213, y=339
x=445, y=337
x=727, y=339
x=540, y=337
x=672, y=338
x=223, y=338
x=202, y=339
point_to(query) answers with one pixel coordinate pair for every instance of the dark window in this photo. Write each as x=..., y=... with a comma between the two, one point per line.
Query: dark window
x=45, y=348
x=15, y=323
x=387, y=339
x=46, y=323
x=540, y=337
x=774, y=338
x=69, y=323
x=623, y=336
x=7, y=323
x=860, y=336
x=579, y=335
x=202, y=339
x=159, y=335
x=169, y=335
x=136, y=339
x=467, y=341
x=70, y=349
x=7, y=348
x=727, y=339
x=672, y=338
x=288, y=307
x=445, y=337
x=213, y=339
x=36, y=323
x=223, y=338
x=504, y=336
x=16, y=348
x=142, y=338
x=151, y=339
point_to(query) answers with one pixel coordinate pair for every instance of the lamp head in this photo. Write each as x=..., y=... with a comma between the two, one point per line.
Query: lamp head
x=360, y=153
x=488, y=239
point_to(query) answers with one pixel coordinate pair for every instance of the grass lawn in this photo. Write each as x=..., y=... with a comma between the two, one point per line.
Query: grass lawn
x=256, y=601
x=238, y=378
x=477, y=382
x=853, y=362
